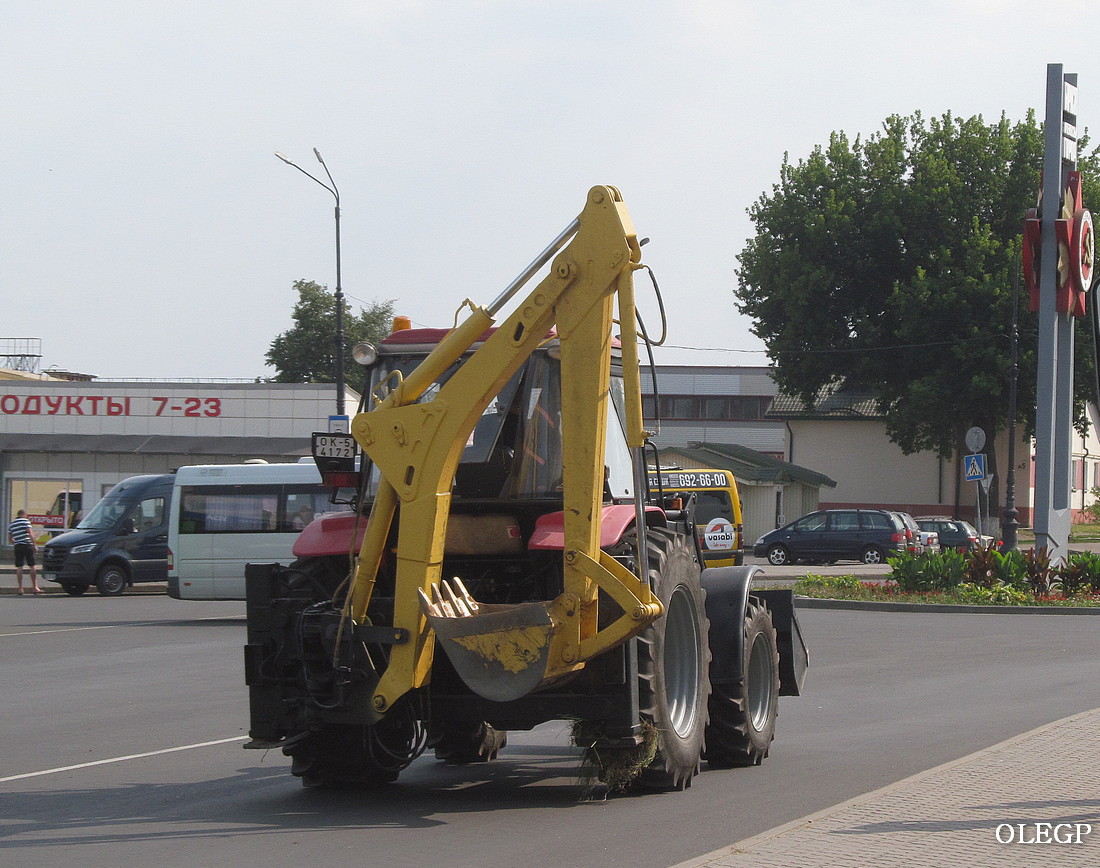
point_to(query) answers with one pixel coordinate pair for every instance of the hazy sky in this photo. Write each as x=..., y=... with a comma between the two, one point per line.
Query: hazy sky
x=147, y=229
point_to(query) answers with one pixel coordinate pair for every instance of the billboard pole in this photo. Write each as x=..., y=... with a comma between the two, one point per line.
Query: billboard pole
x=1058, y=254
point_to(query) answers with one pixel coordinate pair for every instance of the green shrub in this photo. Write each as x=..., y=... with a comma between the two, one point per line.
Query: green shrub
x=983, y=565
x=1012, y=570
x=930, y=571
x=909, y=572
x=1080, y=574
x=1040, y=576
x=1091, y=513
x=814, y=582
x=997, y=594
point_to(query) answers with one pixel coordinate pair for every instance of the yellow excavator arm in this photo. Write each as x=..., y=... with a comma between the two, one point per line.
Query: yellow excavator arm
x=504, y=652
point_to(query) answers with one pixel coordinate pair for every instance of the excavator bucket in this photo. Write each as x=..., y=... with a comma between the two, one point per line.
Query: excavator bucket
x=499, y=650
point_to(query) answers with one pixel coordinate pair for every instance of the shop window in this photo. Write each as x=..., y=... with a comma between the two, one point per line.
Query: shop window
x=53, y=505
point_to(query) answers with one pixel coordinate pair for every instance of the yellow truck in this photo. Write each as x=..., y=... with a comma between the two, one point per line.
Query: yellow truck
x=717, y=509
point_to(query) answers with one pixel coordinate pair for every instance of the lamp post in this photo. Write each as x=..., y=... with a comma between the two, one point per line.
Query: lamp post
x=1009, y=524
x=339, y=290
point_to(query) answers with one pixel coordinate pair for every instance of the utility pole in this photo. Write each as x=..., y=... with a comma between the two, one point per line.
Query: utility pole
x=1009, y=523
x=339, y=289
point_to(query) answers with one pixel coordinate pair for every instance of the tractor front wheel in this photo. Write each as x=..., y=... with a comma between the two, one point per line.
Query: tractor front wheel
x=673, y=661
x=742, y=715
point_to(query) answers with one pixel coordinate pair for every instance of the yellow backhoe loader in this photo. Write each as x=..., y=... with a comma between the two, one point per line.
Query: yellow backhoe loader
x=504, y=563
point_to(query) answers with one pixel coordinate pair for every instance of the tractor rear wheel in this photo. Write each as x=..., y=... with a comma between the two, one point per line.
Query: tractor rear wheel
x=359, y=755
x=464, y=742
x=673, y=659
x=337, y=753
x=742, y=715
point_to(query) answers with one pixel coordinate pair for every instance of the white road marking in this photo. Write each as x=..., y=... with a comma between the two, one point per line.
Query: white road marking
x=58, y=630
x=119, y=759
x=115, y=626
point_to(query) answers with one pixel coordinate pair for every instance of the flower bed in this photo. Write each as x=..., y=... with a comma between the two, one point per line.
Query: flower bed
x=983, y=577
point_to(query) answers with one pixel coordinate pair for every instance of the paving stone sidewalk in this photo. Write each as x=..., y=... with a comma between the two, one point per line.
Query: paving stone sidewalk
x=952, y=816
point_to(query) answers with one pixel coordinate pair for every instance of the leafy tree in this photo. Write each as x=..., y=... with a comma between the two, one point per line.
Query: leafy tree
x=305, y=352
x=887, y=266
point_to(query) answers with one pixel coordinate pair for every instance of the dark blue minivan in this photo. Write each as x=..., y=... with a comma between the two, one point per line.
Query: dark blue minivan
x=867, y=535
x=122, y=540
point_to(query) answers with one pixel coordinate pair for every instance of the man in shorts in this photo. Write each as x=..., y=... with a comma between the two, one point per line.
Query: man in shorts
x=22, y=538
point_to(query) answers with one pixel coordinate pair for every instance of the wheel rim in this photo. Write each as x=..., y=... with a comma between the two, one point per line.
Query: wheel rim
x=114, y=581
x=778, y=557
x=759, y=694
x=681, y=662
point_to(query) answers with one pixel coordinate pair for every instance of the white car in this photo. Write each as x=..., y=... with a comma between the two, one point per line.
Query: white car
x=930, y=540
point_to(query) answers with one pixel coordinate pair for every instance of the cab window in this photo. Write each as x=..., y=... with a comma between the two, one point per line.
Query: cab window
x=844, y=521
x=712, y=504
x=811, y=522
x=876, y=521
x=149, y=514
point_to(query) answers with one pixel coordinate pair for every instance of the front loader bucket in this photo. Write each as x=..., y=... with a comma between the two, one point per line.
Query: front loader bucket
x=499, y=651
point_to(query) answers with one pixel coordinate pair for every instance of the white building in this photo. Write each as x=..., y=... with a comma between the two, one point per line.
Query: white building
x=713, y=404
x=843, y=438
x=84, y=436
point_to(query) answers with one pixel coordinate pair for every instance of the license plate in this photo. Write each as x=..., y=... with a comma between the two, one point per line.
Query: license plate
x=333, y=446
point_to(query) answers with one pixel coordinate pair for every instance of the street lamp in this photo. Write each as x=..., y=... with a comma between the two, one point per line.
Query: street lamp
x=1009, y=524
x=339, y=290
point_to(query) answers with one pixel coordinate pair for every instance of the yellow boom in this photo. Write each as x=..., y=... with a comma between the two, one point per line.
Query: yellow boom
x=504, y=652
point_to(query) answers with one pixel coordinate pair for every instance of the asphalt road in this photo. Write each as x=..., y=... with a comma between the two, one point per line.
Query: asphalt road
x=123, y=722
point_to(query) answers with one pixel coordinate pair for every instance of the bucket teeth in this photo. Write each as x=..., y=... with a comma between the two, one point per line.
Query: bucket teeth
x=452, y=601
x=470, y=602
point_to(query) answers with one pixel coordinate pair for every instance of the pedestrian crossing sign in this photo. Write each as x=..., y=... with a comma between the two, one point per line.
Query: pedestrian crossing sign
x=975, y=467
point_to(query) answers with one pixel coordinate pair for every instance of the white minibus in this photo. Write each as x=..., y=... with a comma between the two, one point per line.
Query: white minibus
x=224, y=516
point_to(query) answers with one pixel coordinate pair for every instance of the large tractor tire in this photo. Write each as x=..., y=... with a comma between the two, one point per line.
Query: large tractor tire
x=467, y=742
x=673, y=660
x=321, y=575
x=357, y=755
x=350, y=754
x=742, y=715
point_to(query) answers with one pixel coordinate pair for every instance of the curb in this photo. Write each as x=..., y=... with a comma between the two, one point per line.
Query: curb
x=143, y=590
x=878, y=606
x=747, y=844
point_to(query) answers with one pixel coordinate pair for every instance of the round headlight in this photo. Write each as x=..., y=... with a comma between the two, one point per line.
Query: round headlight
x=364, y=353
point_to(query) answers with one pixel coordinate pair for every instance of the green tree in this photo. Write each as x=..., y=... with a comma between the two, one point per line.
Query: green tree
x=305, y=352
x=887, y=266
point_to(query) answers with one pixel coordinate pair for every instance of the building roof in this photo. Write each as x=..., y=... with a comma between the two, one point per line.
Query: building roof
x=748, y=464
x=831, y=402
x=15, y=374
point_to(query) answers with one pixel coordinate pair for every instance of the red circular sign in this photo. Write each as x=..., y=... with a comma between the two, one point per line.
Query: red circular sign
x=1083, y=251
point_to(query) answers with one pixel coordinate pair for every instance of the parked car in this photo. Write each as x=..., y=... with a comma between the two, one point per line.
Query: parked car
x=953, y=533
x=914, y=540
x=931, y=540
x=828, y=535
